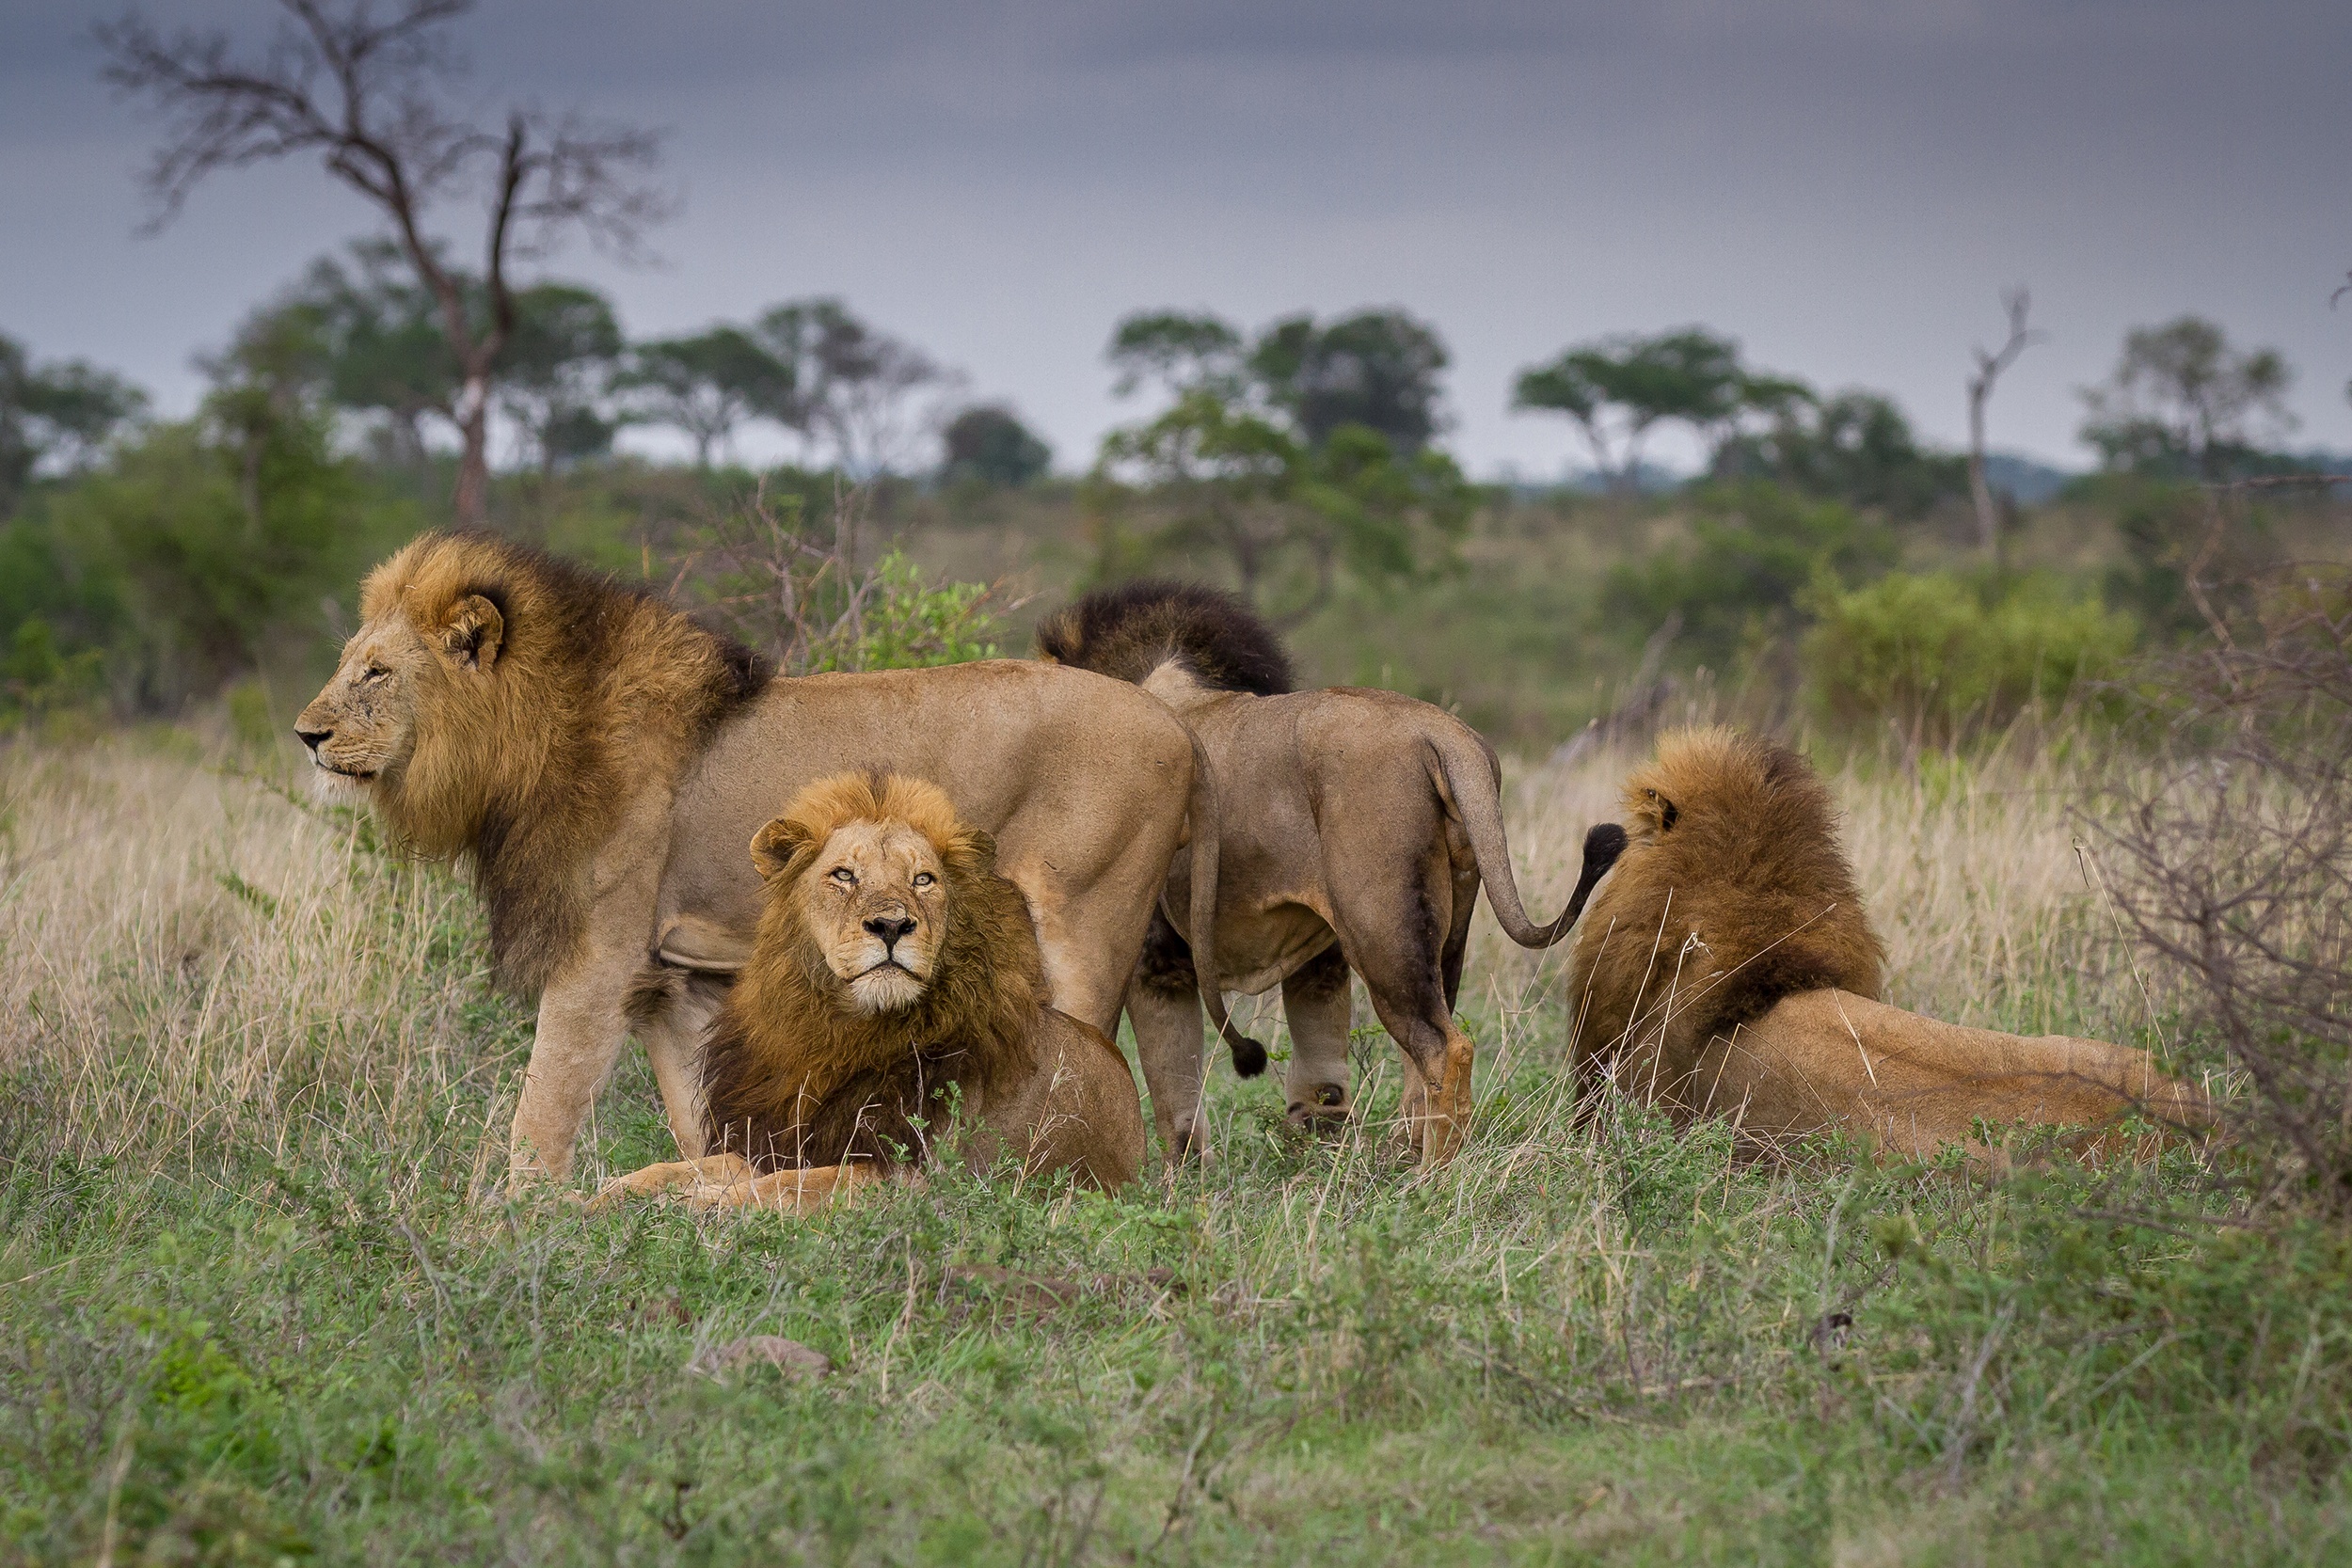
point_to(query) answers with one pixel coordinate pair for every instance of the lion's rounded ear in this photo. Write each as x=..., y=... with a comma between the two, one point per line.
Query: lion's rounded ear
x=774, y=846
x=472, y=632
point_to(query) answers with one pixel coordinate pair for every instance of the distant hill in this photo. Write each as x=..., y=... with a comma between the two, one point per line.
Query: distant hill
x=2030, y=481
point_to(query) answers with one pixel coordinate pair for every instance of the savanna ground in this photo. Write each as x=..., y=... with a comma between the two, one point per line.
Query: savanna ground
x=259, y=1299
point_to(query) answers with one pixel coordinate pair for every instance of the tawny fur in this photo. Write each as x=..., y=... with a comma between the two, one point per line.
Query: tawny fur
x=795, y=1074
x=1732, y=892
x=602, y=690
x=1726, y=967
x=1358, y=827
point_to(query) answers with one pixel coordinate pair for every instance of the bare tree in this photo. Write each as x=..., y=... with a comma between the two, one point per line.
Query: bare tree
x=368, y=98
x=1989, y=368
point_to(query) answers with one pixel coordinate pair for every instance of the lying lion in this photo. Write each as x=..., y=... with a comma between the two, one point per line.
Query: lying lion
x=893, y=986
x=1726, y=967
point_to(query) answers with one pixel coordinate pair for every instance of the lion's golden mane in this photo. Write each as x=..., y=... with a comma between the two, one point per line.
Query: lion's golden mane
x=796, y=1074
x=601, y=689
x=1732, y=892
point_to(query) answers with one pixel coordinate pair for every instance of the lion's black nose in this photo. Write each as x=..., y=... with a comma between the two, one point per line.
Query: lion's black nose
x=890, y=927
x=314, y=738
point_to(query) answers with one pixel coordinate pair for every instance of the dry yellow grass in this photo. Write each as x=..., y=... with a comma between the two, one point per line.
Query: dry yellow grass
x=192, y=949
x=192, y=946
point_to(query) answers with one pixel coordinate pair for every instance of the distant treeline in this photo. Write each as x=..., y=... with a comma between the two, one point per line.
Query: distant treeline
x=146, y=564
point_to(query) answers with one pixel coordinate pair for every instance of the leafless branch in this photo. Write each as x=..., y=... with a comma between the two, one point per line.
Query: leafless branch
x=2016, y=302
x=367, y=97
x=2236, y=852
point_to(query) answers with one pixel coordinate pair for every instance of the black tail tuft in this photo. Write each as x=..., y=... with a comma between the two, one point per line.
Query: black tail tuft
x=1602, y=845
x=1248, y=1057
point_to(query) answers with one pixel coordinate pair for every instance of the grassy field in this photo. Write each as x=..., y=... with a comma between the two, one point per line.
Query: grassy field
x=255, y=1305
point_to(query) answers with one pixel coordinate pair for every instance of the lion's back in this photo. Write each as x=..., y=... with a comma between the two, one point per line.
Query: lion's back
x=1058, y=763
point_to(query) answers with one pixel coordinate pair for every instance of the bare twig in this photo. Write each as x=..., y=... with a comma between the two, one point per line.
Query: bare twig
x=1989, y=368
x=367, y=97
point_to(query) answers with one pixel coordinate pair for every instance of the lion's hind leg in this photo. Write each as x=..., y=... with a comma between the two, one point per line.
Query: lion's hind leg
x=710, y=1171
x=1317, y=1005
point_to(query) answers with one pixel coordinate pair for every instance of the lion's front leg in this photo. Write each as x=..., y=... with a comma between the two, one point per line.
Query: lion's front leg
x=712, y=1172
x=799, y=1191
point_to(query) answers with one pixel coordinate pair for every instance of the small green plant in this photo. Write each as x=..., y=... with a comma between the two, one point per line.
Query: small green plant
x=1936, y=653
x=799, y=594
x=913, y=623
x=38, y=680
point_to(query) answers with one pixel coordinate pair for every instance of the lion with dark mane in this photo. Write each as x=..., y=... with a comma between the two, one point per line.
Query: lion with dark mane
x=1358, y=827
x=598, y=760
x=894, y=990
x=1726, y=967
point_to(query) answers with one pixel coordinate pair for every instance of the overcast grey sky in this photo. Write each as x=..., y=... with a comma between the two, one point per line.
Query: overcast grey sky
x=1845, y=185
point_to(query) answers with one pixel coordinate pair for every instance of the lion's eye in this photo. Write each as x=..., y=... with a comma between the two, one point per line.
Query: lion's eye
x=923, y=878
x=373, y=673
x=845, y=876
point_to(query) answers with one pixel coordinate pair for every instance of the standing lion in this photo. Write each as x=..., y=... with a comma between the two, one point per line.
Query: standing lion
x=1357, y=825
x=1726, y=967
x=893, y=986
x=598, y=760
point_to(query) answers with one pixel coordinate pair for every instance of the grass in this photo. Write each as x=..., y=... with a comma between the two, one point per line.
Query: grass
x=254, y=1306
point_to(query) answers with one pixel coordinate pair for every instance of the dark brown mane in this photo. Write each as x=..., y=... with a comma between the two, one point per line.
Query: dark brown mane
x=600, y=688
x=1129, y=631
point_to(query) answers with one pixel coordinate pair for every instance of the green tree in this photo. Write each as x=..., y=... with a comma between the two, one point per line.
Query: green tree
x=1289, y=517
x=1376, y=370
x=1737, y=582
x=66, y=411
x=557, y=371
x=990, y=444
x=2183, y=400
x=1855, y=447
x=709, y=384
x=1619, y=389
x=856, y=386
x=1181, y=351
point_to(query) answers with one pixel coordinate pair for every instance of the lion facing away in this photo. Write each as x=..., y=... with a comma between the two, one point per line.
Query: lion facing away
x=895, y=985
x=1358, y=827
x=597, y=761
x=1725, y=966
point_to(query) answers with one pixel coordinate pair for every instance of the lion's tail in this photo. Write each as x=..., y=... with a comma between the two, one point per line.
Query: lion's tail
x=1201, y=806
x=1470, y=779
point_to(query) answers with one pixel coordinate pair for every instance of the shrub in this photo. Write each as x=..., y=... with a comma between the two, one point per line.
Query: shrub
x=1936, y=651
x=2233, y=860
x=1754, y=548
x=796, y=594
x=188, y=562
x=36, y=679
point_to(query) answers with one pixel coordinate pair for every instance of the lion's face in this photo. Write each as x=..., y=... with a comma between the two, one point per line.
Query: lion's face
x=362, y=725
x=873, y=897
